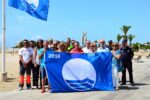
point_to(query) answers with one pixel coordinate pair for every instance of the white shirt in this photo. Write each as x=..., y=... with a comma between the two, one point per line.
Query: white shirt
x=86, y=50
x=102, y=49
x=26, y=53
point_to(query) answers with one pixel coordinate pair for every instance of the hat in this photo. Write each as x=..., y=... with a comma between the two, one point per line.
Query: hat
x=110, y=41
x=124, y=41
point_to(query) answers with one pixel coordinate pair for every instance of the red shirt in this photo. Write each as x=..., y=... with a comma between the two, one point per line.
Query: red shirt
x=79, y=50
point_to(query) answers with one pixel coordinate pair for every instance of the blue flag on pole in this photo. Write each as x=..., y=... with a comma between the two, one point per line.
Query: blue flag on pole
x=36, y=8
x=79, y=72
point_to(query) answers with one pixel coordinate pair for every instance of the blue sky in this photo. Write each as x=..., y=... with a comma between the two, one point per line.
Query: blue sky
x=69, y=18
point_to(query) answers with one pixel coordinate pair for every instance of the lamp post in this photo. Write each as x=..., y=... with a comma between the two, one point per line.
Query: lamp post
x=4, y=73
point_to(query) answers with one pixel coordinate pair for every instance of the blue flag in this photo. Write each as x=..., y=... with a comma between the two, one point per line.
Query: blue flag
x=79, y=72
x=36, y=8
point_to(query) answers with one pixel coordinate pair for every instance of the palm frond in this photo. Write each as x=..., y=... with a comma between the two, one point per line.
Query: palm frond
x=125, y=29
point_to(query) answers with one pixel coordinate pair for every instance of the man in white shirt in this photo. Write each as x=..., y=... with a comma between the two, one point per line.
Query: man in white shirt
x=25, y=61
x=103, y=47
x=87, y=48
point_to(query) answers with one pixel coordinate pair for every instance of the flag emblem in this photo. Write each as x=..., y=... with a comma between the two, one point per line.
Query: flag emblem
x=79, y=77
x=30, y=4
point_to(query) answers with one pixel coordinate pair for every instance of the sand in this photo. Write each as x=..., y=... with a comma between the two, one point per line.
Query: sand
x=12, y=68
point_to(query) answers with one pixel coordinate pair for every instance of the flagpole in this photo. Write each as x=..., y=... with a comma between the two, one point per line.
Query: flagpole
x=4, y=73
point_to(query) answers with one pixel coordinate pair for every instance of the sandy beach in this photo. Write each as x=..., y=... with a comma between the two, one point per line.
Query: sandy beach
x=9, y=89
x=12, y=68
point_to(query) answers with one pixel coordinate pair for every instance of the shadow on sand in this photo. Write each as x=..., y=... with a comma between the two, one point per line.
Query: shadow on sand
x=10, y=79
x=135, y=87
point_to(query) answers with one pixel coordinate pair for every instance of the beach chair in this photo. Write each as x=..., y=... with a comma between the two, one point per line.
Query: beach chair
x=138, y=59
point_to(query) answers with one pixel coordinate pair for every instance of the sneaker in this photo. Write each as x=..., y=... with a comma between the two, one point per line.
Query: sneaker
x=132, y=84
x=117, y=88
x=123, y=84
x=20, y=88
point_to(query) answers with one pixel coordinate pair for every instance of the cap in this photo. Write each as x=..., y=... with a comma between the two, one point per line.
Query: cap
x=124, y=41
x=110, y=41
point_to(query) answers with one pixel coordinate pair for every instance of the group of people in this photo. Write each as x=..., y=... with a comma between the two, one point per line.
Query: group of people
x=31, y=59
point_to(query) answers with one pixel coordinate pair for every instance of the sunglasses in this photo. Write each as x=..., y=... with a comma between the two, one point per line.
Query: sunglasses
x=102, y=42
x=25, y=42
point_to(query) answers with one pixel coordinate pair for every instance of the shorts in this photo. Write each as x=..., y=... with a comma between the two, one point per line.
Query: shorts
x=43, y=72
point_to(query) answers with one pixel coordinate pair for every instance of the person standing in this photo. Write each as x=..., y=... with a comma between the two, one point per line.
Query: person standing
x=116, y=64
x=110, y=44
x=103, y=47
x=41, y=54
x=25, y=61
x=61, y=47
x=32, y=46
x=95, y=45
x=87, y=47
x=36, y=68
x=68, y=43
x=71, y=46
x=92, y=48
x=76, y=48
x=127, y=55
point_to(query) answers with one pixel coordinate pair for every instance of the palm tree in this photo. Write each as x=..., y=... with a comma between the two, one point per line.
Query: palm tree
x=119, y=37
x=20, y=44
x=125, y=30
x=131, y=37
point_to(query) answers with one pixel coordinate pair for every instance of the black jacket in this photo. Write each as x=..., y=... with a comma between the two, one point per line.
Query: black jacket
x=126, y=54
